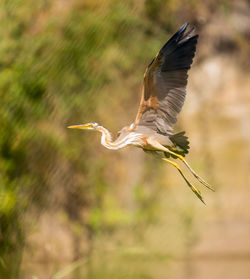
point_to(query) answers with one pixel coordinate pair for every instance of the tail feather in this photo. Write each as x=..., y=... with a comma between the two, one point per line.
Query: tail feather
x=181, y=145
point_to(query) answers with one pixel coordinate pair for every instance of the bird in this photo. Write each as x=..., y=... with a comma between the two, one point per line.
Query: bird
x=163, y=95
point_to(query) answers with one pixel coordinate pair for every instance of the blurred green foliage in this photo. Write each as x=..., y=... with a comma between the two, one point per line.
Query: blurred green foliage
x=54, y=59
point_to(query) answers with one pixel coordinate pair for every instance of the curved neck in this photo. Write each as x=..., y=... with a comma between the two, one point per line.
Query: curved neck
x=106, y=139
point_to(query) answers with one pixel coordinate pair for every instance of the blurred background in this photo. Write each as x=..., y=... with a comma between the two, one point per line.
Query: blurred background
x=69, y=208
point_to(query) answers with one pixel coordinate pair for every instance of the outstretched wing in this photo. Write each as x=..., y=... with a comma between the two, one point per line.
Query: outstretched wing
x=165, y=81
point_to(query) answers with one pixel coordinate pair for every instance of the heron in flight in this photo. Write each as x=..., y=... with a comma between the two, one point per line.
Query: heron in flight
x=163, y=95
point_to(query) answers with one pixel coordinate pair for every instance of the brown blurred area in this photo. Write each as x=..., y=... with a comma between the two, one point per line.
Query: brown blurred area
x=72, y=209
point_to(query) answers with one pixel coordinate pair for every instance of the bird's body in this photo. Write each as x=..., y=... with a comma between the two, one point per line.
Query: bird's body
x=163, y=95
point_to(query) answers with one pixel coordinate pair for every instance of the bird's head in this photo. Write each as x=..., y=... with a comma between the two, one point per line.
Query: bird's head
x=87, y=126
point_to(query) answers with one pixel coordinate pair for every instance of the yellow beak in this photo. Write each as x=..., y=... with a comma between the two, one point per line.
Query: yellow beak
x=82, y=127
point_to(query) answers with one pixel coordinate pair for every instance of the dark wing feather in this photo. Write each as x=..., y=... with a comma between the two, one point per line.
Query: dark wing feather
x=165, y=81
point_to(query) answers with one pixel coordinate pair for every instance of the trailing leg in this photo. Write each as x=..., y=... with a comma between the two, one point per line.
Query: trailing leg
x=191, y=170
x=193, y=188
x=160, y=147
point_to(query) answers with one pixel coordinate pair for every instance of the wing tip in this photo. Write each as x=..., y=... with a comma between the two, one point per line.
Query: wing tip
x=183, y=27
x=180, y=36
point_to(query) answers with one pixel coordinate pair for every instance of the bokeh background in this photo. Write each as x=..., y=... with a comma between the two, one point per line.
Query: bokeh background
x=69, y=208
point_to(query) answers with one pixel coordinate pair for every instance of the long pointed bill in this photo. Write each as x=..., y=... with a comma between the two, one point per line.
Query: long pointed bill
x=82, y=127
